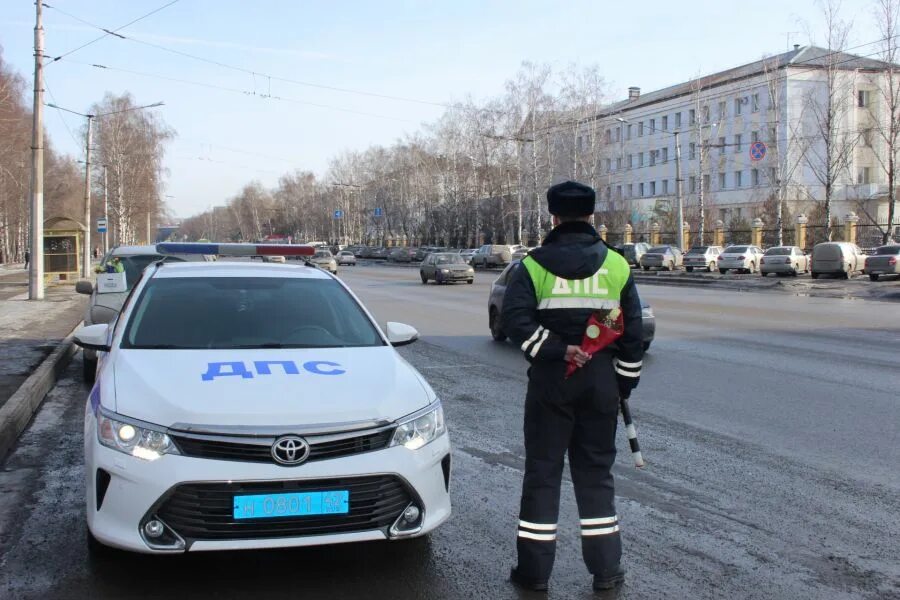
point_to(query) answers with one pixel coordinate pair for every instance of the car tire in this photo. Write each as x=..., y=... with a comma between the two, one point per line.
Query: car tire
x=438, y=279
x=646, y=346
x=689, y=269
x=424, y=277
x=646, y=268
x=89, y=369
x=753, y=268
x=847, y=275
x=723, y=271
x=470, y=281
x=494, y=323
x=712, y=267
x=815, y=275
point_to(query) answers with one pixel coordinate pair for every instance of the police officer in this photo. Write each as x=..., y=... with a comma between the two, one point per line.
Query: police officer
x=548, y=301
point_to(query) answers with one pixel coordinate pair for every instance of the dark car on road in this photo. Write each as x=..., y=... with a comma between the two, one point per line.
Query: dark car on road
x=402, y=255
x=633, y=252
x=446, y=267
x=662, y=257
x=495, y=307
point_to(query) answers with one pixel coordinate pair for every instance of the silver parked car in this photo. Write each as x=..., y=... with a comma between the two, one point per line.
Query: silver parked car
x=702, y=257
x=495, y=307
x=668, y=258
x=740, y=258
x=345, y=257
x=446, y=267
x=324, y=259
x=492, y=255
x=837, y=258
x=885, y=261
x=784, y=260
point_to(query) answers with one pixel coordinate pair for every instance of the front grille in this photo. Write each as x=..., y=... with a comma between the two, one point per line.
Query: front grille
x=248, y=449
x=204, y=511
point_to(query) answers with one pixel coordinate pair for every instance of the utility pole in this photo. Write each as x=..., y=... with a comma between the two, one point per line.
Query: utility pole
x=678, y=195
x=105, y=211
x=86, y=249
x=36, y=264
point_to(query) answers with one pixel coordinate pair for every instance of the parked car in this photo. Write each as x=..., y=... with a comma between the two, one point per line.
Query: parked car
x=345, y=257
x=365, y=252
x=740, y=258
x=837, y=258
x=324, y=259
x=521, y=252
x=446, y=267
x=492, y=255
x=379, y=253
x=495, y=307
x=702, y=257
x=784, y=260
x=885, y=261
x=633, y=252
x=662, y=257
x=402, y=255
x=468, y=254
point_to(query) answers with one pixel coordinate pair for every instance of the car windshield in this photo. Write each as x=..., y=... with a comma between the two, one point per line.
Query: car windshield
x=135, y=265
x=658, y=250
x=736, y=249
x=888, y=250
x=247, y=312
x=324, y=254
x=450, y=259
x=697, y=250
x=780, y=251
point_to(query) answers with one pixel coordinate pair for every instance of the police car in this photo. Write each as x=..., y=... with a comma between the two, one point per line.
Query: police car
x=247, y=405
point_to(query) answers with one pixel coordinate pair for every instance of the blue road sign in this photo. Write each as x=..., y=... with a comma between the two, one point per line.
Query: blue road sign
x=758, y=151
x=379, y=212
x=101, y=225
x=338, y=214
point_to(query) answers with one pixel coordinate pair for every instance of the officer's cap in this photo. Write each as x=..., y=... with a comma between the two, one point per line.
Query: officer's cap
x=571, y=199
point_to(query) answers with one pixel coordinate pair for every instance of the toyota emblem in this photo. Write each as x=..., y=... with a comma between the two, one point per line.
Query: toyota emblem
x=290, y=450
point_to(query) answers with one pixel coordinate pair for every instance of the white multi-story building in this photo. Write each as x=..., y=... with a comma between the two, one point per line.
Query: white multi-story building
x=780, y=101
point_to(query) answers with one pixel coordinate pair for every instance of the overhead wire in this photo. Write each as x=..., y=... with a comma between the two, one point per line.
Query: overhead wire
x=60, y=113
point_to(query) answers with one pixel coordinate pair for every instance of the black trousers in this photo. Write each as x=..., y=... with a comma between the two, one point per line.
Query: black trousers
x=576, y=416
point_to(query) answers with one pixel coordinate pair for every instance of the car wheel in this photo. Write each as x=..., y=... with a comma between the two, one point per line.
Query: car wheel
x=723, y=271
x=646, y=268
x=89, y=369
x=646, y=346
x=689, y=269
x=470, y=281
x=873, y=277
x=712, y=267
x=847, y=275
x=752, y=268
x=438, y=279
x=815, y=275
x=494, y=322
x=423, y=276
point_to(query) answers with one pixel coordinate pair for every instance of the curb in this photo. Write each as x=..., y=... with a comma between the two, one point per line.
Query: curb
x=16, y=414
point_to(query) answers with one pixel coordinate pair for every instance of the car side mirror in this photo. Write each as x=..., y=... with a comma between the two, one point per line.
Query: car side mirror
x=93, y=337
x=84, y=287
x=400, y=334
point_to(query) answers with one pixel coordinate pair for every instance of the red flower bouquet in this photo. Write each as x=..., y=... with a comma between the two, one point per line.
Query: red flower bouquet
x=603, y=328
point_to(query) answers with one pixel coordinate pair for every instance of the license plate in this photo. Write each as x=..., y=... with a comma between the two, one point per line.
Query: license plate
x=299, y=504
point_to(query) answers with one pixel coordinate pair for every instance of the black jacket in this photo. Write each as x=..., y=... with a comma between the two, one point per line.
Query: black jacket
x=573, y=250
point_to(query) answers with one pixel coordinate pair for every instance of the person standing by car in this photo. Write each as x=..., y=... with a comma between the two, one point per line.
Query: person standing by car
x=27, y=258
x=546, y=307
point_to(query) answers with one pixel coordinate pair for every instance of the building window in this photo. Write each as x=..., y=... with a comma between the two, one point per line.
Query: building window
x=692, y=183
x=738, y=105
x=738, y=143
x=867, y=137
x=706, y=114
x=755, y=103
x=652, y=125
x=578, y=142
x=640, y=159
x=721, y=181
x=677, y=120
x=665, y=123
x=721, y=145
x=608, y=192
x=618, y=134
x=652, y=188
x=665, y=187
x=862, y=99
x=628, y=132
x=773, y=176
x=641, y=189
x=692, y=151
x=738, y=179
x=692, y=117
x=754, y=137
x=618, y=192
x=608, y=136
x=652, y=158
x=619, y=164
x=723, y=108
x=665, y=154
x=641, y=129
x=631, y=190
x=754, y=177
x=706, y=183
x=862, y=175
x=631, y=161
x=773, y=133
x=608, y=165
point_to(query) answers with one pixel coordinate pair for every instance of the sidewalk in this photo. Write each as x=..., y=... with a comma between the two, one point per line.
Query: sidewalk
x=30, y=331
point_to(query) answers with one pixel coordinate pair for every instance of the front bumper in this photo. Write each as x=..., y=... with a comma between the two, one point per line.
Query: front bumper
x=134, y=490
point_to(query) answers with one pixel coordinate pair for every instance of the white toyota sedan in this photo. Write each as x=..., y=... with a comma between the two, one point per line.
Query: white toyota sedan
x=247, y=405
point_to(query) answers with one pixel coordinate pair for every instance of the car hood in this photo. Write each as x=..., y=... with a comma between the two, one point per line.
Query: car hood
x=453, y=267
x=266, y=387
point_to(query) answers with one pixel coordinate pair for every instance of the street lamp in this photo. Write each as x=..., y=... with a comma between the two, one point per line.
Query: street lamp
x=86, y=251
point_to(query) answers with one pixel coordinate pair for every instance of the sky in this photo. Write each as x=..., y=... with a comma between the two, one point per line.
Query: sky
x=423, y=54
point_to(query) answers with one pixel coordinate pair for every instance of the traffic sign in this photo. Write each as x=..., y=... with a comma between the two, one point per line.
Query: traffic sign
x=101, y=225
x=758, y=151
x=338, y=214
x=379, y=212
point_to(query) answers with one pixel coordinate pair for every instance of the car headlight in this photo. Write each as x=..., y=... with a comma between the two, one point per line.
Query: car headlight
x=646, y=313
x=421, y=428
x=445, y=270
x=142, y=440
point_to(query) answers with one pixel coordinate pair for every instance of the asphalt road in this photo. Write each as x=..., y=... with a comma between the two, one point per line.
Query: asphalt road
x=771, y=424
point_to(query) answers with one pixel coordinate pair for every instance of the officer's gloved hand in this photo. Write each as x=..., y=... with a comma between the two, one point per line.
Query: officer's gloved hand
x=626, y=384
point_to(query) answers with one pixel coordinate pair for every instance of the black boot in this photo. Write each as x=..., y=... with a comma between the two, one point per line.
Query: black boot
x=610, y=579
x=526, y=583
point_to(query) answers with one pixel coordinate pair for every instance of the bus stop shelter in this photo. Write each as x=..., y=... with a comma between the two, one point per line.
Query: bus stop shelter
x=63, y=239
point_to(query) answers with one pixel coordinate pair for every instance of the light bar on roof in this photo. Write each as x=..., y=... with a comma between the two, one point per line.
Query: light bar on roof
x=235, y=249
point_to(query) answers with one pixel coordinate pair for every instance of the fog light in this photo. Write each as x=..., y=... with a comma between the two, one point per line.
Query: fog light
x=411, y=514
x=154, y=528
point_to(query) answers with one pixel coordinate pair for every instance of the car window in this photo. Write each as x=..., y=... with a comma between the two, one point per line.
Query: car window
x=697, y=250
x=658, y=250
x=450, y=259
x=736, y=249
x=888, y=250
x=778, y=251
x=247, y=312
x=135, y=265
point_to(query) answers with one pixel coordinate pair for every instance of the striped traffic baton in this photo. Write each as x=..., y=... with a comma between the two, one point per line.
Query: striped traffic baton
x=631, y=432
